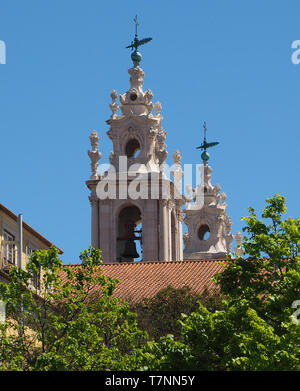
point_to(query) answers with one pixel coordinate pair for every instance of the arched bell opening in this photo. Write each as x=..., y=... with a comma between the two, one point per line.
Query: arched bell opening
x=132, y=148
x=129, y=240
x=173, y=237
x=204, y=232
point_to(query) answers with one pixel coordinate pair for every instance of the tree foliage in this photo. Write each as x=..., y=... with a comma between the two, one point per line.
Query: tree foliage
x=74, y=323
x=269, y=276
x=255, y=330
x=158, y=315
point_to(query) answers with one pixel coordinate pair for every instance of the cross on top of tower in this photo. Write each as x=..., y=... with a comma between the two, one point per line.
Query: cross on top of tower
x=136, y=24
x=136, y=55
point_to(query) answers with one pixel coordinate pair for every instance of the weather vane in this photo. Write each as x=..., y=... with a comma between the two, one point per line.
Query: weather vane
x=205, y=145
x=136, y=55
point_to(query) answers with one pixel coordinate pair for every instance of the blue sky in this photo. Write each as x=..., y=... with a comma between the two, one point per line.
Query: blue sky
x=225, y=62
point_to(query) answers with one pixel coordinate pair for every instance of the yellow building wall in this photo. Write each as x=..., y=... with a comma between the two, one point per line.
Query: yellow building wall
x=6, y=222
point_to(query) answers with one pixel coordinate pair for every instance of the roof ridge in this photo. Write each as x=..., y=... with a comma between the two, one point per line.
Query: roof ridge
x=146, y=279
x=153, y=262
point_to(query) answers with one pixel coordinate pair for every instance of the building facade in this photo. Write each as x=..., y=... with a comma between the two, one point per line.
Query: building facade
x=18, y=241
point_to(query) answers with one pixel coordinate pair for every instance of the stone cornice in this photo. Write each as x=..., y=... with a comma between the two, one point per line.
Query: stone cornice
x=145, y=119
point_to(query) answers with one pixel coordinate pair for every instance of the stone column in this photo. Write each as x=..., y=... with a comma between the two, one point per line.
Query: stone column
x=180, y=217
x=95, y=219
x=105, y=232
x=150, y=226
x=169, y=209
x=163, y=221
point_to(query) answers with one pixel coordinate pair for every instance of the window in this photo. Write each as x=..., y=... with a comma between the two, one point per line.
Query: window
x=8, y=250
x=29, y=251
x=204, y=232
x=132, y=149
x=36, y=278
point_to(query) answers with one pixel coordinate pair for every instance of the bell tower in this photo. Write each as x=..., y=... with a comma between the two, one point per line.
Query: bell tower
x=209, y=228
x=136, y=209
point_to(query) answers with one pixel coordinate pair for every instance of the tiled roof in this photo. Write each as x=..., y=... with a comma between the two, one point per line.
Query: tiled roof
x=145, y=279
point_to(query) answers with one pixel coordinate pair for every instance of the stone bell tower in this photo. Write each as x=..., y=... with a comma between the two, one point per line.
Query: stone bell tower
x=135, y=210
x=209, y=228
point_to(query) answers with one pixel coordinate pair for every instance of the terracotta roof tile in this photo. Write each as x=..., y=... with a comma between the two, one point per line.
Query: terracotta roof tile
x=145, y=279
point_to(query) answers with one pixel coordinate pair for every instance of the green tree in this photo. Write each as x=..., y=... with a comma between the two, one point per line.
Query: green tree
x=255, y=329
x=235, y=338
x=72, y=323
x=269, y=275
x=158, y=315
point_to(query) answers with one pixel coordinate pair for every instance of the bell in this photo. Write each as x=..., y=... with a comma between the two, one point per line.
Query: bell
x=130, y=250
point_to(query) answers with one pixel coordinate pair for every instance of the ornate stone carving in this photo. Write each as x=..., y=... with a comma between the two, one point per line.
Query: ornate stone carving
x=136, y=102
x=177, y=174
x=228, y=240
x=186, y=239
x=177, y=157
x=238, y=238
x=136, y=78
x=94, y=139
x=157, y=108
x=216, y=189
x=171, y=204
x=208, y=216
x=114, y=96
x=162, y=156
x=148, y=96
x=94, y=154
x=113, y=106
x=160, y=149
x=239, y=251
x=180, y=214
x=137, y=129
x=152, y=133
x=223, y=197
x=164, y=202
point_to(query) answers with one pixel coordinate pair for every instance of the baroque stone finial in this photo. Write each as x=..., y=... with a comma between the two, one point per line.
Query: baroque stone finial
x=238, y=238
x=223, y=197
x=239, y=251
x=161, y=149
x=94, y=154
x=147, y=99
x=113, y=106
x=177, y=173
x=177, y=157
x=157, y=107
x=114, y=96
x=94, y=138
x=189, y=195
